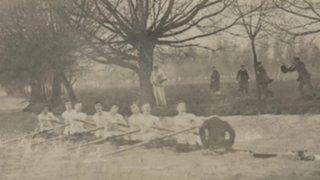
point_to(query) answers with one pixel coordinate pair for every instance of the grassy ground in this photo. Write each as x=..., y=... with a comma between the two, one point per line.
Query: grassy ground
x=198, y=97
x=202, y=102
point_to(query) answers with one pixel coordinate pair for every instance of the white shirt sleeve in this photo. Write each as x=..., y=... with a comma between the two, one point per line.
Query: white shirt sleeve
x=83, y=116
x=156, y=121
x=152, y=78
x=162, y=74
x=53, y=117
x=121, y=119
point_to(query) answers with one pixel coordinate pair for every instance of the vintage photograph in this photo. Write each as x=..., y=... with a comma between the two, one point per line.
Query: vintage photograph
x=159, y=90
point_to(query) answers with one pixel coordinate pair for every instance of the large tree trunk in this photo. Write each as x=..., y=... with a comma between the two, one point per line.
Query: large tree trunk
x=37, y=92
x=255, y=65
x=146, y=89
x=68, y=87
x=56, y=91
x=146, y=50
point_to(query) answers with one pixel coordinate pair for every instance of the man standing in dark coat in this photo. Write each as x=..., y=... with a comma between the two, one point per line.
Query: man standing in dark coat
x=304, y=77
x=215, y=81
x=243, y=80
x=263, y=81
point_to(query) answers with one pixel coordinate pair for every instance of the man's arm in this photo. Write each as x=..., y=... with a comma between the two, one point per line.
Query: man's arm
x=163, y=80
x=123, y=120
x=292, y=68
x=247, y=74
x=55, y=117
x=238, y=76
x=163, y=77
x=152, y=79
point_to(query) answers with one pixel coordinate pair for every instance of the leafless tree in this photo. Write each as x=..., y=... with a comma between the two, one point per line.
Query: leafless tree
x=255, y=25
x=127, y=32
x=301, y=17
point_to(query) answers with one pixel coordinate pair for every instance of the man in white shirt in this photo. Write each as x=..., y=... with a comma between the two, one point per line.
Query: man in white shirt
x=135, y=117
x=45, y=119
x=101, y=120
x=67, y=114
x=146, y=124
x=186, y=120
x=115, y=118
x=76, y=126
x=157, y=79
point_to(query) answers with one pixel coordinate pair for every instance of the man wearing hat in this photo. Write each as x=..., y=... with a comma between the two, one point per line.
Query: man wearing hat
x=304, y=77
x=243, y=80
x=157, y=79
x=215, y=81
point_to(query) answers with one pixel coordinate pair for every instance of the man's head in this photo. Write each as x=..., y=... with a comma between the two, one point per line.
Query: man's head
x=98, y=107
x=296, y=59
x=78, y=107
x=146, y=109
x=214, y=68
x=135, y=108
x=45, y=110
x=68, y=105
x=242, y=67
x=259, y=64
x=182, y=107
x=114, y=109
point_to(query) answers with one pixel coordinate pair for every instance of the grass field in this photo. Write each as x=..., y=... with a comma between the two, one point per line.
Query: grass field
x=198, y=97
x=201, y=101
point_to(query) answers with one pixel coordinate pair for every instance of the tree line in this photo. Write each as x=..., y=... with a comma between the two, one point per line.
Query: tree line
x=45, y=44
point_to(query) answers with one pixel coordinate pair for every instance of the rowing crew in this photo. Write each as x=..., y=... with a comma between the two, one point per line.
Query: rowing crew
x=112, y=123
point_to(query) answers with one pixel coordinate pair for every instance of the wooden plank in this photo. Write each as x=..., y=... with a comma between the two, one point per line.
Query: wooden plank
x=147, y=142
x=104, y=139
x=86, y=122
x=65, y=136
x=33, y=134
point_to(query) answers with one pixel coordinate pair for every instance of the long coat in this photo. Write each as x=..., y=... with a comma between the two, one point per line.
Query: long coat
x=262, y=76
x=303, y=73
x=215, y=80
x=243, y=76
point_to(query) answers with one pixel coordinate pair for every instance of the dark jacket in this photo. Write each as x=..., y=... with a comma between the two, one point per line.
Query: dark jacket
x=301, y=69
x=262, y=76
x=243, y=76
x=216, y=137
x=215, y=80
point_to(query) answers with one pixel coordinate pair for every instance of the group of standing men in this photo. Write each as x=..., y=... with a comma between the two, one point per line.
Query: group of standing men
x=263, y=80
x=242, y=79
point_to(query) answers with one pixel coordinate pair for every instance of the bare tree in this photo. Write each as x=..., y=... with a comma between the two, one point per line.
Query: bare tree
x=127, y=33
x=300, y=18
x=255, y=26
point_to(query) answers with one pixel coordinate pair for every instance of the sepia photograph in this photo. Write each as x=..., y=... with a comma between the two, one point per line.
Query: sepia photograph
x=159, y=90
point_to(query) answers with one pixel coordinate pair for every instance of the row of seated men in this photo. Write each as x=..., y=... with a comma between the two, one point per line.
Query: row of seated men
x=113, y=123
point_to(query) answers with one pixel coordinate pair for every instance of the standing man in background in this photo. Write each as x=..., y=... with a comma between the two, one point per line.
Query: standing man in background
x=263, y=81
x=304, y=77
x=157, y=80
x=215, y=81
x=243, y=80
